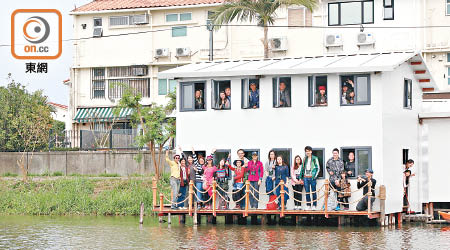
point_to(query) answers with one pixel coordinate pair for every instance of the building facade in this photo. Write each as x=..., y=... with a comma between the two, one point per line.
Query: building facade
x=128, y=43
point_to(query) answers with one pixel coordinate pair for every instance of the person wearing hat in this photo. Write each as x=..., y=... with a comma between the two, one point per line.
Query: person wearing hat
x=362, y=181
x=321, y=98
x=253, y=96
x=239, y=171
x=174, y=176
x=256, y=171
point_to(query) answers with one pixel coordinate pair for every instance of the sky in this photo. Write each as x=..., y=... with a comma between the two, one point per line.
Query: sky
x=58, y=69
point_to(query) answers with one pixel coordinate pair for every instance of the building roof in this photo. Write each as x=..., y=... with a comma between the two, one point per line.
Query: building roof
x=62, y=106
x=355, y=63
x=99, y=5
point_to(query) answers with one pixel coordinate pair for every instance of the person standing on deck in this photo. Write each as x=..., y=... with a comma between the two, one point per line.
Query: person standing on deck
x=256, y=171
x=184, y=183
x=282, y=174
x=310, y=171
x=174, y=177
x=238, y=184
x=297, y=182
x=335, y=165
x=269, y=171
x=362, y=182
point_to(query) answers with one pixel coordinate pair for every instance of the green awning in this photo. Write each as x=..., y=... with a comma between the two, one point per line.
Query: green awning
x=101, y=114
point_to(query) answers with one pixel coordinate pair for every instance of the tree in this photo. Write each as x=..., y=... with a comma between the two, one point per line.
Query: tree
x=154, y=121
x=25, y=121
x=263, y=11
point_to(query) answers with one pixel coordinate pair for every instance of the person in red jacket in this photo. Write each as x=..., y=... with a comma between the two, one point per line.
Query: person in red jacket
x=184, y=183
x=256, y=171
x=239, y=172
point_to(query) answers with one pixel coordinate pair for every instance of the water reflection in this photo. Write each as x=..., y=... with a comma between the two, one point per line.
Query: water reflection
x=23, y=232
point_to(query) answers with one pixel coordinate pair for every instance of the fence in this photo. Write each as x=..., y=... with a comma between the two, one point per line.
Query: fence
x=122, y=163
x=92, y=139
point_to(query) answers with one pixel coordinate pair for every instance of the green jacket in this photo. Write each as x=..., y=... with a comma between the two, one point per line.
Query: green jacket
x=315, y=167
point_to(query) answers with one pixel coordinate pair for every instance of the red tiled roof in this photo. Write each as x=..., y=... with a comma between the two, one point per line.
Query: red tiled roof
x=98, y=5
x=58, y=105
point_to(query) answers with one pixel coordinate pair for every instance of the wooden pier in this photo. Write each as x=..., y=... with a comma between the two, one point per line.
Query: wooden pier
x=264, y=216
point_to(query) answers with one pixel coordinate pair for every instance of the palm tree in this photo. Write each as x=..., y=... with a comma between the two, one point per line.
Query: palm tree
x=263, y=11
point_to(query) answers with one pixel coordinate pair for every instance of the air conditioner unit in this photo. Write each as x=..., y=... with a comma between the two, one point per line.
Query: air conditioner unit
x=183, y=51
x=365, y=38
x=278, y=44
x=164, y=52
x=139, y=19
x=333, y=40
x=98, y=32
x=138, y=71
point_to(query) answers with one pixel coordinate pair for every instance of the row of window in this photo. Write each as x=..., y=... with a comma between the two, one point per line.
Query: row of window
x=357, y=158
x=115, y=80
x=354, y=90
x=357, y=12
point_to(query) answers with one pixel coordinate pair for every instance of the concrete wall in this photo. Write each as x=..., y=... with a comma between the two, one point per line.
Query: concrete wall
x=80, y=162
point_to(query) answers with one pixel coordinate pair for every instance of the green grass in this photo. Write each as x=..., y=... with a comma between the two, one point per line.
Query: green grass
x=79, y=195
x=57, y=173
x=8, y=174
x=108, y=175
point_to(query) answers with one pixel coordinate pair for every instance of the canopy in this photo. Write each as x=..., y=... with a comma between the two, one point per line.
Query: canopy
x=101, y=114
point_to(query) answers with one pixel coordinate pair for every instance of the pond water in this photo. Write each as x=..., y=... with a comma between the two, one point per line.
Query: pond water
x=91, y=232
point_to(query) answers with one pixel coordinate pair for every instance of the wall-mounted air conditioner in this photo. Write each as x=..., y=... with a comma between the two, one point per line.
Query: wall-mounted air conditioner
x=333, y=40
x=163, y=52
x=278, y=44
x=98, y=32
x=365, y=38
x=183, y=52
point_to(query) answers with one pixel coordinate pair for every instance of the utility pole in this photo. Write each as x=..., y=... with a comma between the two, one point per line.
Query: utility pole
x=210, y=27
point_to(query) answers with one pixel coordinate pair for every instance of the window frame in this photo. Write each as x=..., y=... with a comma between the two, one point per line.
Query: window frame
x=181, y=84
x=178, y=17
x=407, y=101
x=447, y=9
x=322, y=167
x=387, y=6
x=369, y=89
x=168, y=87
x=448, y=75
x=214, y=95
x=276, y=89
x=362, y=13
x=98, y=78
x=357, y=148
x=97, y=18
x=285, y=149
x=311, y=89
x=245, y=90
x=216, y=160
x=119, y=25
x=179, y=28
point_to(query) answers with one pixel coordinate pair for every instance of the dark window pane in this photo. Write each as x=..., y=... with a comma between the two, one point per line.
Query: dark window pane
x=319, y=153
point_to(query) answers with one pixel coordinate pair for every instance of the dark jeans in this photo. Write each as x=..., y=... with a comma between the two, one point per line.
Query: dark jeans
x=405, y=198
x=363, y=204
x=269, y=185
x=298, y=196
x=310, y=186
x=199, y=186
x=278, y=192
x=239, y=194
x=343, y=199
x=253, y=201
x=182, y=196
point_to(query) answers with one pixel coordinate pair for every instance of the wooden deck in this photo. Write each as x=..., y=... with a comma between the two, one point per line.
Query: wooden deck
x=166, y=211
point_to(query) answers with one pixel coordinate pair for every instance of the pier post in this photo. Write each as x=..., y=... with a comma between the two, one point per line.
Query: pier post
x=327, y=190
x=169, y=218
x=141, y=214
x=263, y=219
x=382, y=205
x=195, y=216
x=214, y=186
x=247, y=194
x=161, y=202
x=432, y=210
x=155, y=190
x=282, y=198
x=182, y=218
x=254, y=220
x=191, y=196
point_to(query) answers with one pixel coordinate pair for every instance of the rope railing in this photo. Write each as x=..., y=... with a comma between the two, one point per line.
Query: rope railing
x=323, y=191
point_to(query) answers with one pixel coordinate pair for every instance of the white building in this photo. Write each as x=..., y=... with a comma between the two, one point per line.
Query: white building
x=381, y=126
x=60, y=112
x=131, y=41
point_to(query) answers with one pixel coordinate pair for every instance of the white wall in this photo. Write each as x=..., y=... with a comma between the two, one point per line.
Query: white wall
x=438, y=151
x=400, y=131
x=296, y=127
